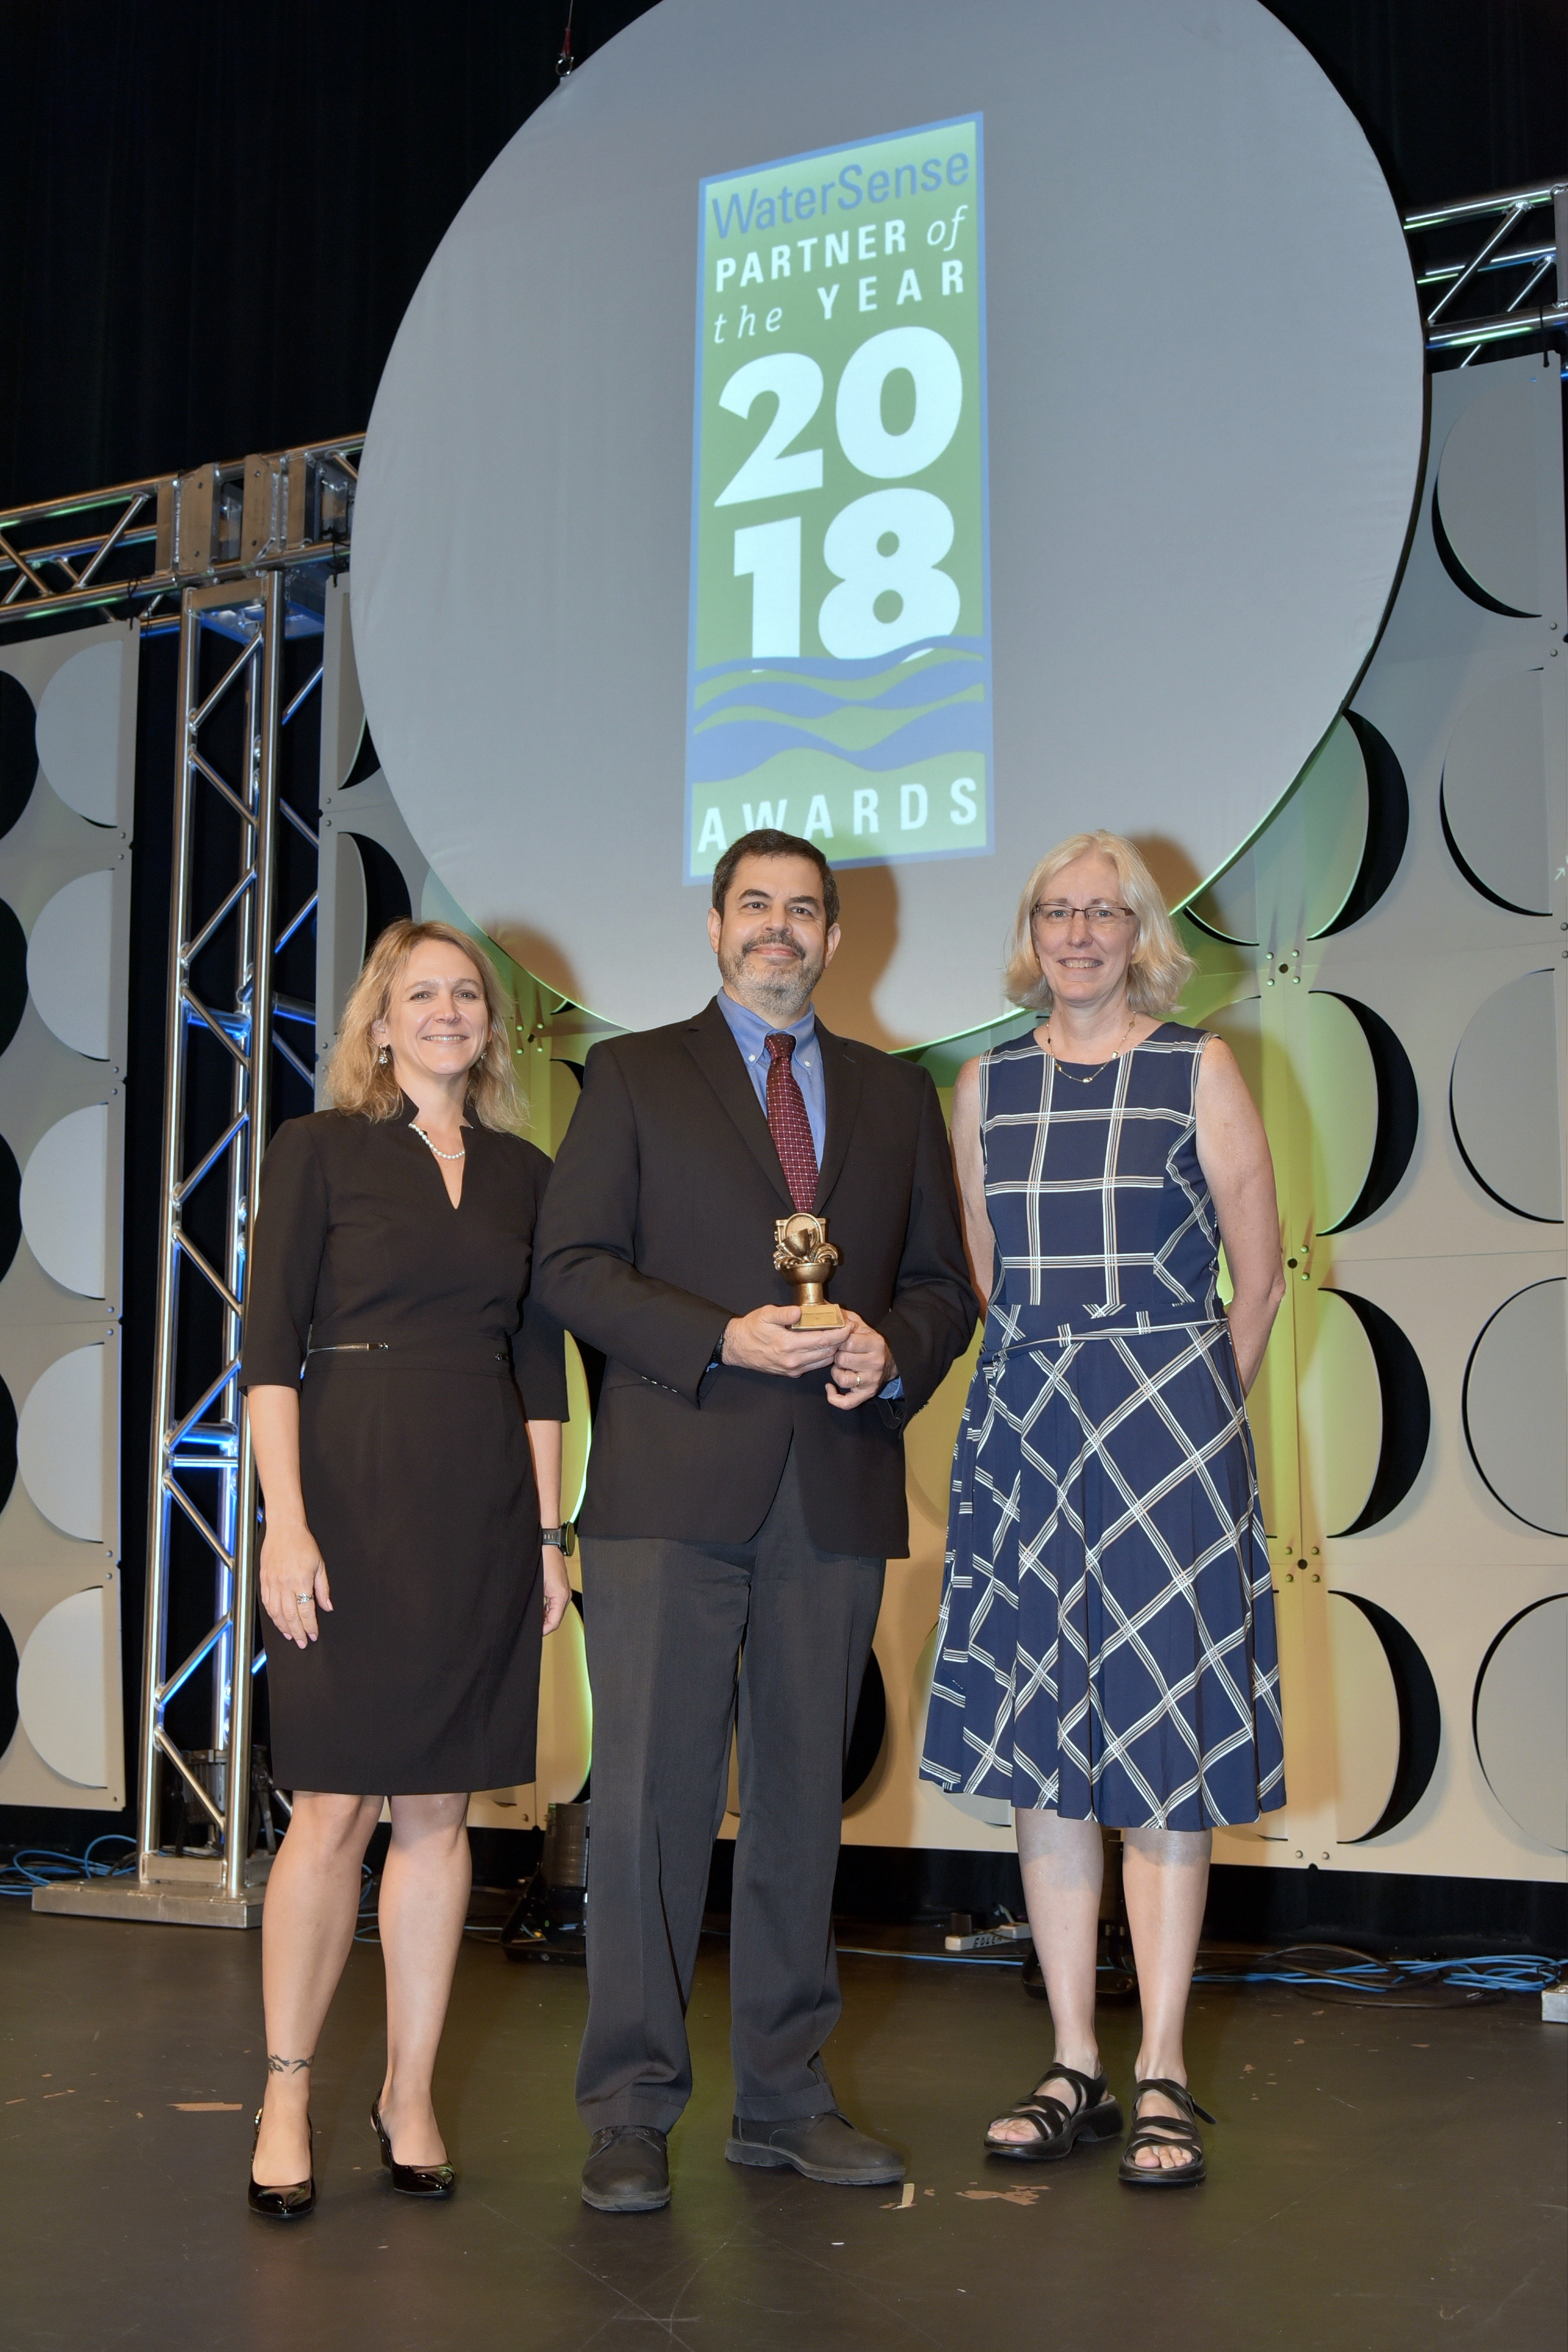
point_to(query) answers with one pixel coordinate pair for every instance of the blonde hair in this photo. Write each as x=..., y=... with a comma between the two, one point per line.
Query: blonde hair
x=359, y=1080
x=1161, y=967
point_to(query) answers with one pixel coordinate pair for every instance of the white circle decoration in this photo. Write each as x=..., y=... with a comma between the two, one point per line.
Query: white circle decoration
x=1179, y=515
x=65, y=1193
x=1488, y=495
x=1343, y=1078
x=1522, y=1721
x=59, y=1442
x=68, y=963
x=79, y=721
x=1342, y=1400
x=60, y=1689
x=1330, y=803
x=1502, y=1097
x=1494, y=794
x=1366, y=1719
x=1516, y=1406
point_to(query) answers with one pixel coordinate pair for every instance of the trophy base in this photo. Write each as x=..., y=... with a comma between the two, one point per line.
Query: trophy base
x=825, y=1316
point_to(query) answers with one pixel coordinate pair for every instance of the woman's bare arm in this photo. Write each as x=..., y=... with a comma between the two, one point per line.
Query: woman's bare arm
x=544, y=1444
x=1233, y=1152
x=969, y=1165
x=290, y=1563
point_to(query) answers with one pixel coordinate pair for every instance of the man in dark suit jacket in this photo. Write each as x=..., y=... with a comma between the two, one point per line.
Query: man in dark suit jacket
x=745, y=1488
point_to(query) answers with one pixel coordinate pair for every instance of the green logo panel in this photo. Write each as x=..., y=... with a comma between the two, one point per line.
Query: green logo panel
x=840, y=664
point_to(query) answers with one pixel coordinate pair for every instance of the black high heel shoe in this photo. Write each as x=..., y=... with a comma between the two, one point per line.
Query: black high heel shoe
x=412, y=2180
x=286, y=2204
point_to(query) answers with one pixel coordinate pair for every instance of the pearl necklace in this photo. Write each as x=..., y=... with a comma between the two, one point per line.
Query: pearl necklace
x=1105, y=1065
x=425, y=1140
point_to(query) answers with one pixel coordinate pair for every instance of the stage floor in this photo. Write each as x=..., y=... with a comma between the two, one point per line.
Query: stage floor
x=1379, y=2181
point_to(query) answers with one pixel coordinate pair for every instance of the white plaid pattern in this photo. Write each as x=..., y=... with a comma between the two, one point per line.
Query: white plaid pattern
x=1107, y=1636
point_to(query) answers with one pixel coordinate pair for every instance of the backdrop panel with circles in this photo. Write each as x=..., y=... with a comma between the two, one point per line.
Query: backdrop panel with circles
x=616, y=595
x=1390, y=960
x=67, y=735
x=1388, y=957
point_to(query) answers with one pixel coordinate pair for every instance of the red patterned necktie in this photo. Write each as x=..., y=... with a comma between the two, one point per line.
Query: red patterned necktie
x=787, y=1118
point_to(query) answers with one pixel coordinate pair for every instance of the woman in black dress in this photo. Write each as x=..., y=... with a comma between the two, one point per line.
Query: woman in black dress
x=404, y=1476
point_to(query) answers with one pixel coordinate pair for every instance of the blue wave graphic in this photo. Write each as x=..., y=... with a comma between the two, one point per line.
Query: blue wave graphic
x=739, y=748
x=798, y=700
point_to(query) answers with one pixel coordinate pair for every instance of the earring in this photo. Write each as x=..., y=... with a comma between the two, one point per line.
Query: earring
x=385, y=1055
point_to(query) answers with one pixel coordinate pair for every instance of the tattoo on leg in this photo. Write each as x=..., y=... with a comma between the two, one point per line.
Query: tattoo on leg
x=276, y=2065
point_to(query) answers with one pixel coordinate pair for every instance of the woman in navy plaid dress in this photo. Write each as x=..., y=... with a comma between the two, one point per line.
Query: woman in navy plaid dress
x=1107, y=1650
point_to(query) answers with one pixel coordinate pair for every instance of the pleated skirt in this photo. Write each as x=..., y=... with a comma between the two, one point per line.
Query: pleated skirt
x=1106, y=1644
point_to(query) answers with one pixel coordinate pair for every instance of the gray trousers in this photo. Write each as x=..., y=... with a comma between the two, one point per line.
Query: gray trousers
x=685, y=1640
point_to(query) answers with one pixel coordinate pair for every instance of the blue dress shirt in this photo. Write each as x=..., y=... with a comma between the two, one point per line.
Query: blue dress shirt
x=750, y=1032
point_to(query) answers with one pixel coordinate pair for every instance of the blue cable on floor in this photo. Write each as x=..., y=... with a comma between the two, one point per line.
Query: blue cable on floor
x=1496, y=1972
x=1490, y=1972
x=1360, y=1972
x=33, y=1866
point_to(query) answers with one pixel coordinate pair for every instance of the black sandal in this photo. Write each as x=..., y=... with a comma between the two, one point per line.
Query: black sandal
x=1056, y=2127
x=1164, y=2131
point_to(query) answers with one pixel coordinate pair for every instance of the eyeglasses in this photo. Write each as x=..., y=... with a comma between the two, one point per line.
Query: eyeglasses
x=1053, y=917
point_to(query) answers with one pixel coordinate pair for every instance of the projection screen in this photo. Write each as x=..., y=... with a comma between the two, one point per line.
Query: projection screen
x=928, y=430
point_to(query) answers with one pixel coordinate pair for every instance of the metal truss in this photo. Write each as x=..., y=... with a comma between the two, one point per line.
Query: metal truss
x=227, y=1039
x=141, y=543
x=1466, y=268
x=203, y=1464
x=138, y=544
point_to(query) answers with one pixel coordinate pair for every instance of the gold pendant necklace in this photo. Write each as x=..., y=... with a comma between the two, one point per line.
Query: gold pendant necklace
x=1072, y=1075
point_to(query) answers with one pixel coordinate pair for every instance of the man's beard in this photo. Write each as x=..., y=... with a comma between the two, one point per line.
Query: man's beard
x=783, y=992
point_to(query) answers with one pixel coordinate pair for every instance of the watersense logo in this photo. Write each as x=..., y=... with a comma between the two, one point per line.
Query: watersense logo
x=840, y=662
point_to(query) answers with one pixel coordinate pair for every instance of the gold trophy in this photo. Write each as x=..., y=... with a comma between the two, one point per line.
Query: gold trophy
x=805, y=1257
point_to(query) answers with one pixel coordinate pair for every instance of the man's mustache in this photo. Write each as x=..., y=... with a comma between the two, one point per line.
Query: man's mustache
x=774, y=939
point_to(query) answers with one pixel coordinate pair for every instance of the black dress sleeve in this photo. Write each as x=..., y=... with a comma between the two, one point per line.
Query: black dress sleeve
x=539, y=1346
x=285, y=1259
x=538, y=1355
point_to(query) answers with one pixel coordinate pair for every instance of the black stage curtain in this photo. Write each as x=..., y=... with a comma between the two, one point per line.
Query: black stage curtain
x=215, y=214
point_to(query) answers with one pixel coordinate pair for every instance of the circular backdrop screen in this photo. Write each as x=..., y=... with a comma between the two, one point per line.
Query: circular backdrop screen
x=925, y=433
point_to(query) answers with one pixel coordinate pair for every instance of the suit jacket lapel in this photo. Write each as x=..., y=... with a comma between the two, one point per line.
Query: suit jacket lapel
x=841, y=1083
x=717, y=1056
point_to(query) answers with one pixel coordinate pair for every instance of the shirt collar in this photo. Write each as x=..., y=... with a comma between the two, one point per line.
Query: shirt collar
x=748, y=1029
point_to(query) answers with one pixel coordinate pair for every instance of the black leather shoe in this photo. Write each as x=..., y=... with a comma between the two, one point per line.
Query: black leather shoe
x=823, y=2147
x=286, y=2204
x=412, y=2180
x=627, y=2171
